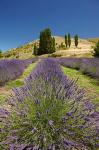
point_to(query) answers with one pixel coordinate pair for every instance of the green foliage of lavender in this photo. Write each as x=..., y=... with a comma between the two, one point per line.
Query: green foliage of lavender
x=50, y=113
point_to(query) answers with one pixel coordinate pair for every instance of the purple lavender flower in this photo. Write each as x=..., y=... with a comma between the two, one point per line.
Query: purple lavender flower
x=50, y=122
x=88, y=66
x=37, y=102
x=34, y=130
x=61, y=115
x=11, y=69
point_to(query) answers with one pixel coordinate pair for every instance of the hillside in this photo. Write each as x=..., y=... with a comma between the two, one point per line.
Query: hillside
x=26, y=50
x=93, y=40
x=84, y=48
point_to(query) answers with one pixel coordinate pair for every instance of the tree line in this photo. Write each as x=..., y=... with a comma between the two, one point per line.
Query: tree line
x=68, y=40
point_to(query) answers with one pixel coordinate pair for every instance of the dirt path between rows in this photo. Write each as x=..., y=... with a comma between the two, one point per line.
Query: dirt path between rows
x=4, y=91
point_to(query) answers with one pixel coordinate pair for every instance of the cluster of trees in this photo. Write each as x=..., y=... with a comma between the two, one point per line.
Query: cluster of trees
x=46, y=43
x=68, y=40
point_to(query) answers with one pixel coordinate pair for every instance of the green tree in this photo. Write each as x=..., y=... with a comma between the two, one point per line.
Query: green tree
x=69, y=40
x=96, y=49
x=66, y=40
x=47, y=43
x=53, y=45
x=0, y=54
x=76, y=40
x=35, y=50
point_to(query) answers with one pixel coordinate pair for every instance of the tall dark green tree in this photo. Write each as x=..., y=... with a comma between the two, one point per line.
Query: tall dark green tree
x=69, y=40
x=76, y=40
x=46, y=44
x=53, y=45
x=66, y=40
x=35, y=50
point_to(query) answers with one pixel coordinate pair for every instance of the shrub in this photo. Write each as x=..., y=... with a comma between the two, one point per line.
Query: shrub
x=96, y=50
x=55, y=55
x=62, y=46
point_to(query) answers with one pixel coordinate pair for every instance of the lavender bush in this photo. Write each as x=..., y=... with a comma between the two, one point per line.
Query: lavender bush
x=11, y=69
x=70, y=62
x=50, y=113
x=88, y=66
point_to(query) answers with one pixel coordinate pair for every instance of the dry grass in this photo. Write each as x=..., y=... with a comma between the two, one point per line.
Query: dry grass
x=93, y=40
x=26, y=51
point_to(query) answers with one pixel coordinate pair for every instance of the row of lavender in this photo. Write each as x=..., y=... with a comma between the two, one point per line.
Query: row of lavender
x=49, y=113
x=88, y=66
x=11, y=69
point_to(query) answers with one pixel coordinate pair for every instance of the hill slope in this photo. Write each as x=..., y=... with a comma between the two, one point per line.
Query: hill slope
x=93, y=40
x=26, y=51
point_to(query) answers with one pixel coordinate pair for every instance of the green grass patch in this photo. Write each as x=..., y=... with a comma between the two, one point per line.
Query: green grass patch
x=15, y=83
x=2, y=99
x=89, y=84
x=28, y=70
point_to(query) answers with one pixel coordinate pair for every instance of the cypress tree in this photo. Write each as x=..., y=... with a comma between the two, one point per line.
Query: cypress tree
x=66, y=41
x=47, y=43
x=35, y=50
x=76, y=40
x=53, y=45
x=96, y=50
x=69, y=40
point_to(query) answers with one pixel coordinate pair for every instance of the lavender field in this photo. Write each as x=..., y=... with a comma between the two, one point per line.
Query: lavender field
x=49, y=75
x=89, y=66
x=11, y=69
x=50, y=111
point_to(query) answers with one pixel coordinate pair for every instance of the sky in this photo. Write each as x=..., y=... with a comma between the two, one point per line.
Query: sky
x=22, y=20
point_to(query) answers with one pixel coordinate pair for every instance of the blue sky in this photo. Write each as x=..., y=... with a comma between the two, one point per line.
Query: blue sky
x=22, y=20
